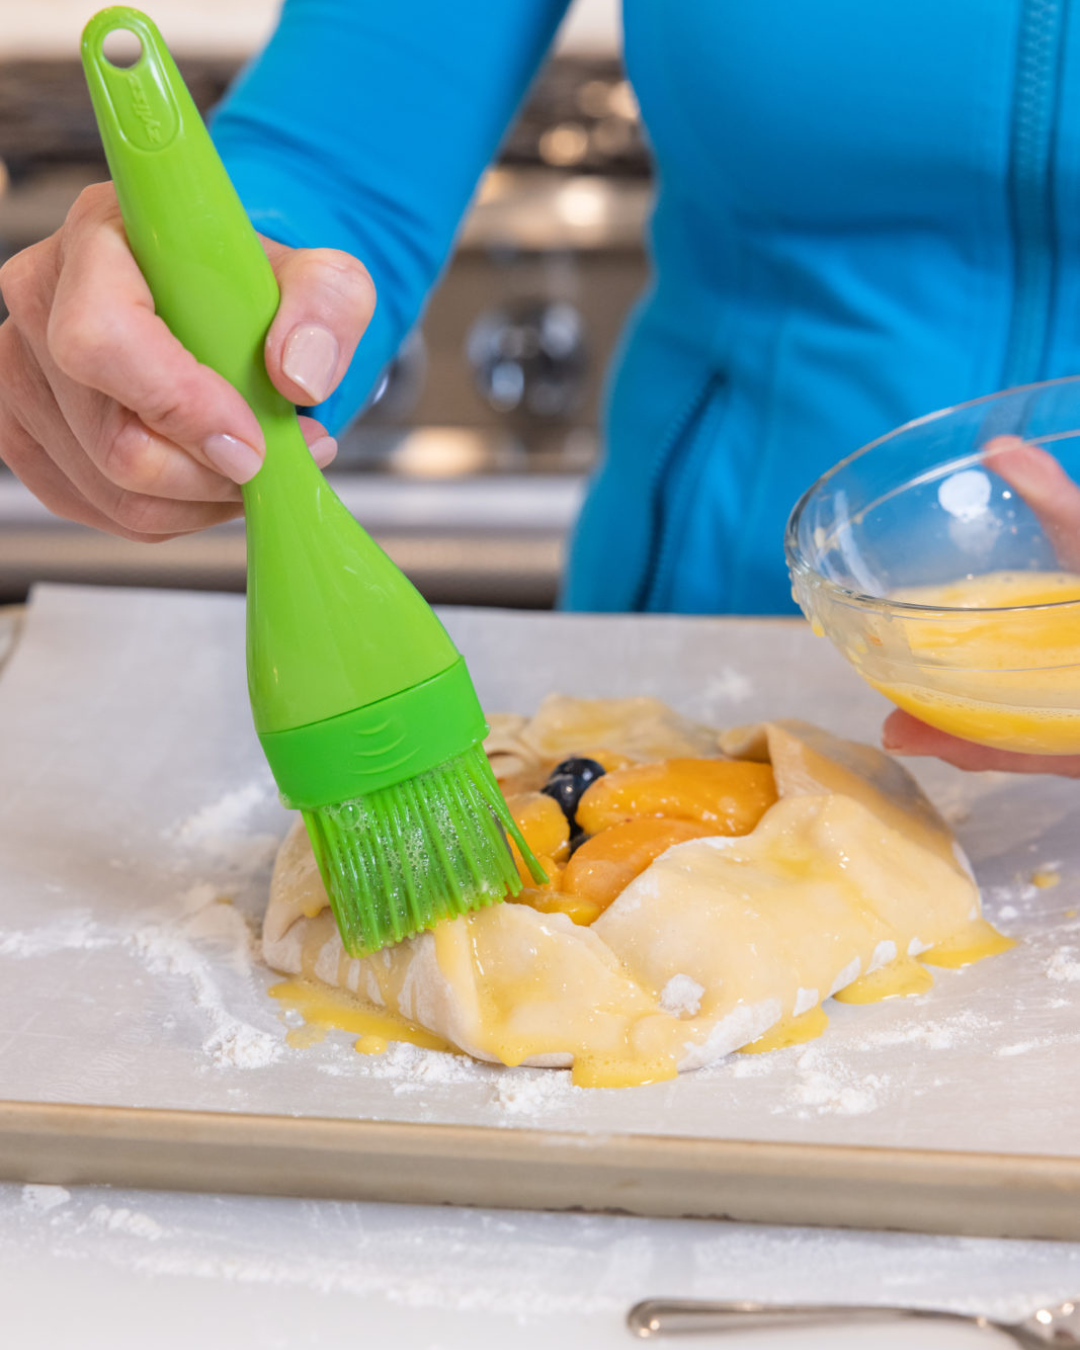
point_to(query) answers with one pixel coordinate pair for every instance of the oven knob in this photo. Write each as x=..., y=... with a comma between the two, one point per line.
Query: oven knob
x=397, y=390
x=529, y=358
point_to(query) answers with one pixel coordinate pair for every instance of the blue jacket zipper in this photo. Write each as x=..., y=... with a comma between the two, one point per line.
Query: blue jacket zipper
x=1031, y=187
x=667, y=471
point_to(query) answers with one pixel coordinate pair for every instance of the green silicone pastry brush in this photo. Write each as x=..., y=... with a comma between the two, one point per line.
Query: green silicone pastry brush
x=364, y=708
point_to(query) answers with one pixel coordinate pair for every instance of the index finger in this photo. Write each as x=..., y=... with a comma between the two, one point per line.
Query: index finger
x=1041, y=481
x=103, y=332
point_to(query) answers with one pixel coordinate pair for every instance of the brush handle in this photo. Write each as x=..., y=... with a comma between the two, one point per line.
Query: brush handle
x=333, y=626
x=210, y=278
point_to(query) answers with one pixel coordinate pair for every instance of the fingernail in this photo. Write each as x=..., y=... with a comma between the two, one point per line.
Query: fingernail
x=232, y=457
x=310, y=359
x=323, y=450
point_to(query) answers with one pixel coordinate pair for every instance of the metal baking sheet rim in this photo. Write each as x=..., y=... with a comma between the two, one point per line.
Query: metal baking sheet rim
x=914, y=1190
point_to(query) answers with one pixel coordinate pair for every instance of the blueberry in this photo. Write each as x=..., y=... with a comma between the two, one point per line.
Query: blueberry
x=577, y=838
x=569, y=780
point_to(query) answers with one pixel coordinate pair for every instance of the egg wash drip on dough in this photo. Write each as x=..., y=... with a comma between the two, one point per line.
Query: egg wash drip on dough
x=707, y=893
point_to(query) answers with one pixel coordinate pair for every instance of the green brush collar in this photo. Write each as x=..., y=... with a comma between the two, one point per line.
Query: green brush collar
x=369, y=748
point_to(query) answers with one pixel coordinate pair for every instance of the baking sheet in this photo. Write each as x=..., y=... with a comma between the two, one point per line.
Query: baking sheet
x=133, y=802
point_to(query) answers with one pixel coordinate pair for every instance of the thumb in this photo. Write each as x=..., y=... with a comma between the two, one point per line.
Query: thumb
x=1042, y=482
x=327, y=300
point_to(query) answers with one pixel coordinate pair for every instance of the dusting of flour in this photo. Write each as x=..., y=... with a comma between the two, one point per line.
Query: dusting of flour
x=72, y=932
x=411, y=1070
x=681, y=996
x=206, y=930
x=130, y=1221
x=41, y=1198
x=200, y=936
x=221, y=830
x=1064, y=965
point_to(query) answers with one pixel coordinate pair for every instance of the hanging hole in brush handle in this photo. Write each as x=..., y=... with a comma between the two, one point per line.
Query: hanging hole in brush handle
x=122, y=48
x=206, y=269
x=127, y=68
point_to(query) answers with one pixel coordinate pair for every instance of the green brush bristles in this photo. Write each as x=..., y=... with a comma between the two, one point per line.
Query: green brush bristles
x=406, y=857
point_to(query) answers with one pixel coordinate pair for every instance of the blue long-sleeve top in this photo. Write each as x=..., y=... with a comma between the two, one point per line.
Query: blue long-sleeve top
x=864, y=212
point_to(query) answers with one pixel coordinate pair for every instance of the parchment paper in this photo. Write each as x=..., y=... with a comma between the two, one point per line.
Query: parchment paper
x=138, y=823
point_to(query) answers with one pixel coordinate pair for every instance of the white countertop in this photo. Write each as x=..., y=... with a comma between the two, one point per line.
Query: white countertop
x=94, y=1267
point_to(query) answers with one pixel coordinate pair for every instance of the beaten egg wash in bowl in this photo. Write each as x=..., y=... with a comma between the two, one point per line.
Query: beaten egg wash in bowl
x=1020, y=689
x=944, y=562
x=706, y=893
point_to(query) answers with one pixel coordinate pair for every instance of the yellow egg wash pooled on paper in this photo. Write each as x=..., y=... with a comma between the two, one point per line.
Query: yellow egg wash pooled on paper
x=615, y=1071
x=324, y=1009
x=311, y=1033
x=371, y=1044
x=789, y=1031
x=902, y=978
x=974, y=942
x=1021, y=688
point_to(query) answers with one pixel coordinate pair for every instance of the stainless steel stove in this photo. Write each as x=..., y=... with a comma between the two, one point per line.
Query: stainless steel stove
x=468, y=465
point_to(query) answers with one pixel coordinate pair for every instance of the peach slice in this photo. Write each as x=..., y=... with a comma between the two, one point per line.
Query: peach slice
x=606, y=864
x=731, y=796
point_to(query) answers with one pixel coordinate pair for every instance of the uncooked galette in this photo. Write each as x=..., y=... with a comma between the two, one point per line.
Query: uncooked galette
x=706, y=892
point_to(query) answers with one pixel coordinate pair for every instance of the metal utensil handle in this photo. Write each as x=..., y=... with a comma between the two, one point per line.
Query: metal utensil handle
x=674, y=1317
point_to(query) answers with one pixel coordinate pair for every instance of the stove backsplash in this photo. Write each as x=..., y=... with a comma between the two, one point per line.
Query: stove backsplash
x=515, y=341
x=502, y=379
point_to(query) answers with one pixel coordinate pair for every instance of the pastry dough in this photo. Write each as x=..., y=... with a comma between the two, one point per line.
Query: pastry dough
x=711, y=946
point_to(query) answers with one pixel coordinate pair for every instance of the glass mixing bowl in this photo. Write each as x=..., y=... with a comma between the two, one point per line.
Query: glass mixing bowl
x=943, y=560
